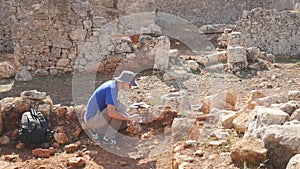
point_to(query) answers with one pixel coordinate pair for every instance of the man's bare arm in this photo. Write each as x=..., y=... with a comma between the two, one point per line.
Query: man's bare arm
x=113, y=113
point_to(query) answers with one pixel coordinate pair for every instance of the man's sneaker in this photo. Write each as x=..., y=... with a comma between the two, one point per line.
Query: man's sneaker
x=94, y=134
x=111, y=141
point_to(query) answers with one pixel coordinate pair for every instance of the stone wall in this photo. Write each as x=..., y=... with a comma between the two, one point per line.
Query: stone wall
x=272, y=31
x=49, y=36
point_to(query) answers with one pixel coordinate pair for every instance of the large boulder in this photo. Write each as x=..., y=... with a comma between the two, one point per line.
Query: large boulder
x=294, y=162
x=282, y=142
x=251, y=151
x=7, y=70
x=262, y=118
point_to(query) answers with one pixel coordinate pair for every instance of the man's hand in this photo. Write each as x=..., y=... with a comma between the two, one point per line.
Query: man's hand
x=134, y=117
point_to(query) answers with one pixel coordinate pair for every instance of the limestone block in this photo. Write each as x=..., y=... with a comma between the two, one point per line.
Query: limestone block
x=180, y=127
x=7, y=70
x=288, y=107
x=193, y=65
x=237, y=54
x=240, y=123
x=41, y=73
x=78, y=34
x=264, y=117
x=23, y=75
x=282, y=142
x=62, y=62
x=223, y=100
x=162, y=49
x=294, y=162
x=252, y=151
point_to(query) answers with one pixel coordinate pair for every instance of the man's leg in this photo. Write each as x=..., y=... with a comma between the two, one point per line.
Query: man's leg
x=97, y=125
x=116, y=125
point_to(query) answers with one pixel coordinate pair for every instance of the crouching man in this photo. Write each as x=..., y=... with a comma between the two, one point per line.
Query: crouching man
x=104, y=114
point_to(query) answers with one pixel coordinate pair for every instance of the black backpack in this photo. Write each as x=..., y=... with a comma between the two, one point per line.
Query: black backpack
x=34, y=129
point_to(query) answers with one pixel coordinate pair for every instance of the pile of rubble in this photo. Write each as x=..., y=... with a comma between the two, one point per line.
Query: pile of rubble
x=12, y=108
x=270, y=125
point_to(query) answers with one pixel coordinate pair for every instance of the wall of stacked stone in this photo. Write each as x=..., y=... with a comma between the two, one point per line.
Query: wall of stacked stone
x=274, y=32
x=47, y=36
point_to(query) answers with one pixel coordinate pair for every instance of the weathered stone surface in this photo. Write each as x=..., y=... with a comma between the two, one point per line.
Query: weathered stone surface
x=23, y=75
x=294, y=162
x=262, y=118
x=259, y=27
x=12, y=109
x=251, y=151
x=7, y=70
x=162, y=53
x=180, y=127
x=288, y=107
x=223, y=100
x=240, y=123
x=282, y=142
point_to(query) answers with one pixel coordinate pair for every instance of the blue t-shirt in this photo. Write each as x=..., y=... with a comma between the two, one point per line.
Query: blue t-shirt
x=105, y=94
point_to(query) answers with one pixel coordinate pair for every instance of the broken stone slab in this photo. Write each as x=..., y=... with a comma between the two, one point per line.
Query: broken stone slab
x=240, y=123
x=294, y=162
x=282, y=142
x=210, y=59
x=162, y=49
x=180, y=127
x=251, y=151
x=223, y=100
x=288, y=107
x=33, y=94
x=225, y=117
x=262, y=118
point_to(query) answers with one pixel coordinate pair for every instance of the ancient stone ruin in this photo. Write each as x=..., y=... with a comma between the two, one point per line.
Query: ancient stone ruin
x=105, y=37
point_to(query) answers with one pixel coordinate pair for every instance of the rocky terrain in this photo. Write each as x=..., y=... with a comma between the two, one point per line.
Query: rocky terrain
x=210, y=143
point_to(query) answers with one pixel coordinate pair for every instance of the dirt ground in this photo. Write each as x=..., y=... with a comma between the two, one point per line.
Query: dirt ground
x=279, y=78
